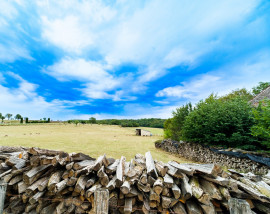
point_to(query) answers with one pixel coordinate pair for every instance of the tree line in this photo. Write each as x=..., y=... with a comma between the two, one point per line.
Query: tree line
x=224, y=121
x=146, y=122
x=21, y=119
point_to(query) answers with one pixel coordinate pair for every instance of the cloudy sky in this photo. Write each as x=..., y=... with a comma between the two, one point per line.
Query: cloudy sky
x=127, y=58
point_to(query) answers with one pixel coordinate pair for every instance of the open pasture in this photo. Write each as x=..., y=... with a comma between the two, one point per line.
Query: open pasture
x=94, y=140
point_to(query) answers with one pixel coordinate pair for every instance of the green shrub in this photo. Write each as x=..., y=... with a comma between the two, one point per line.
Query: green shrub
x=173, y=126
x=220, y=122
x=261, y=128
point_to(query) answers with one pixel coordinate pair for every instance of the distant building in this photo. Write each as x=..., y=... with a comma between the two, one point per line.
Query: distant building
x=141, y=132
x=265, y=94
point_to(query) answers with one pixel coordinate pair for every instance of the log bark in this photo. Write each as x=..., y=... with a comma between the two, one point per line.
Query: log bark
x=150, y=166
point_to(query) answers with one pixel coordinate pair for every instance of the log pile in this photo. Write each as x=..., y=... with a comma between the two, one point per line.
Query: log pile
x=46, y=181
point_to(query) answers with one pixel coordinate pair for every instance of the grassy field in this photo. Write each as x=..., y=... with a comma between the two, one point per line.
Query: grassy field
x=94, y=140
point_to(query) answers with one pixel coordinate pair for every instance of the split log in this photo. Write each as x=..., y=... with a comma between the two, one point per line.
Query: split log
x=154, y=196
x=82, y=164
x=112, y=168
x=32, y=175
x=102, y=160
x=195, y=187
x=72, y=181
x=238, y=206
x=80, y=157
x=35, y=185
x=186, y=188
x=218, y=180
x=211, y=189
x=176, y=191
x=90, y=182
x=182, y=168
x=166, y=201
x=125, y=188
x=81, y=183
x=69, y=166
x=120, y=172
x=128, y=206
x=15, y=180
x=179, y=208
x=209, y=209
x=54, y=179
x=168, y=181
x=150, y=166
x=158, y=185
x=193, y=207
x=174, y=172
x=112, y=183
x=161, y=168
x=35, y=197
x=60, y=186
x=49, y=209
x=143, y=178
x=90, y=191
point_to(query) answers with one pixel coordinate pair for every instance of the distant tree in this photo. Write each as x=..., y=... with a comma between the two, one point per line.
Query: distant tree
x=21, y=120
x=76, y=122
x=44, y=118
x=49, y=120
x=2, y=118
x=26, y=120
x=92, y=120
x=18, y=116
x=262, y=85
x=8, y=115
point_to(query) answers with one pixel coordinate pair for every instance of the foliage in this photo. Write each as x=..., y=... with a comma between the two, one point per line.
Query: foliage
x=21, y=120
x=220, y=122
x=261, y=128
x=173, y=126
x=26, y=120
x=18, y=116
x=8, y=115
x=262, y=85
x=49, y=120
x=145, y=122
x=238, y=93
x=92, y=120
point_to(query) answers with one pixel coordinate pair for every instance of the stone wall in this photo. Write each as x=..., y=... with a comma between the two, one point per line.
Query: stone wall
x=199, y=153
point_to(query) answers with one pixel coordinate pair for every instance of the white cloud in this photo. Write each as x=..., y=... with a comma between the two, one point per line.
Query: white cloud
x=240, y=74
x=189, y=89
x=155, y=34
x=67, y=33
x=77, y=69
x=21, y=99
x=97, y=82
x=12, y=52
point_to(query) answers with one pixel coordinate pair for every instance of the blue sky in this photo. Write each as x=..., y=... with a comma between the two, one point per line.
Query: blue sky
x=127, y=59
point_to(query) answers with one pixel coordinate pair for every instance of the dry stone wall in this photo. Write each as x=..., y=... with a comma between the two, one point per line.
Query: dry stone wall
x=199, y=153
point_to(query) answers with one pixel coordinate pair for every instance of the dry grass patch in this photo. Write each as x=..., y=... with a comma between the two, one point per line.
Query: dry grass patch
x=94, y=140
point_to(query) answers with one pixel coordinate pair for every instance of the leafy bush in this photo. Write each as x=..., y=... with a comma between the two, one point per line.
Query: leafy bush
x=261, y=128
x=262, y=85
x=173, y=126
x=220, y=122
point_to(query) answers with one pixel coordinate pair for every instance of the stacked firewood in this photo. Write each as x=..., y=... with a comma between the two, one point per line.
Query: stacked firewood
x=46, y=181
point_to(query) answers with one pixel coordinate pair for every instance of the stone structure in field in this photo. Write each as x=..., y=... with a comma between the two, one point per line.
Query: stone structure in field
x=141, y=132
x=265, y=94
